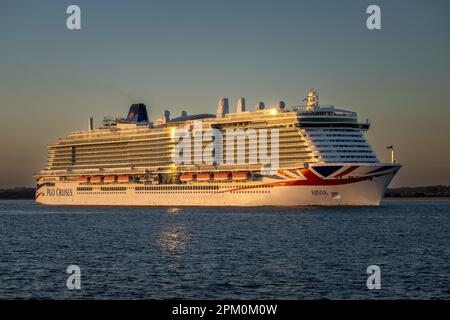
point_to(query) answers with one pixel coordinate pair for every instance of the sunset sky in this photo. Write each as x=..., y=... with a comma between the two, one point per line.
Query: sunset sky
x=184, y=55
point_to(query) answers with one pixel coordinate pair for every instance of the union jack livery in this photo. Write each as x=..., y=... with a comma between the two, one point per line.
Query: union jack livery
x=306, y=155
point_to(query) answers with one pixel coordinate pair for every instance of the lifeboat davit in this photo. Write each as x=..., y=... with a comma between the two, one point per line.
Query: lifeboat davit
x=221, y=176
x=241, y=175
x=203, y=176
x=123, y=178
x=187, y=177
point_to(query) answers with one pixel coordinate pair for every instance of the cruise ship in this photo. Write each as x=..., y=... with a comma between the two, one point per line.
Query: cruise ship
x=318, y=156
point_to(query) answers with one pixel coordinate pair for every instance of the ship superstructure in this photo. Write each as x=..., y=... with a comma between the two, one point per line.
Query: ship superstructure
x=322, y=158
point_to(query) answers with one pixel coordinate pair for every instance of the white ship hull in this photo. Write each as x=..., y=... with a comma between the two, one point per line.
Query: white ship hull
x=364, y=185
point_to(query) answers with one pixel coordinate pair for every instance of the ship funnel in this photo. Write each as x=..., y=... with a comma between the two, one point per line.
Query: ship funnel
x=260, y=105
x=137, y=113
x=166, y=116
x=222, y=108
x=91, y=124
x=281, y=105
x=240, y=105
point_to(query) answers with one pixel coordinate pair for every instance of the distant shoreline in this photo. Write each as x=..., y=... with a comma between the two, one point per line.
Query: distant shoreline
x=22, y=193
x=429, y=192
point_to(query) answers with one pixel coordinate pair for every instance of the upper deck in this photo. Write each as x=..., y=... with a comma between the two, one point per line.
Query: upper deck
x=310, y=134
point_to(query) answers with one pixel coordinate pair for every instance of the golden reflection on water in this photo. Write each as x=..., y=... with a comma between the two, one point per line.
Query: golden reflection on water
x=175, y=239
x=173, y=210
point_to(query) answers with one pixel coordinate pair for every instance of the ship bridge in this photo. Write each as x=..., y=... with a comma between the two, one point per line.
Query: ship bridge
x=333, y=135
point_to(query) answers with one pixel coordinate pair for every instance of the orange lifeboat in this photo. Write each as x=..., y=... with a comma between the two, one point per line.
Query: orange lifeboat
x=83, y=179
x=109, y=179
x=96, y=179
x=203, y=176
x=241, y=175
x=123, y=178
x=221, y=176
x=187, y=177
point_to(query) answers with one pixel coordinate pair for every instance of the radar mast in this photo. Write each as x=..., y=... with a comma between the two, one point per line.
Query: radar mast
x=312, y=100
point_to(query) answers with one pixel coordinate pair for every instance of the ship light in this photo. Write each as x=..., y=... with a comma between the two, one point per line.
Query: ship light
x=273, y=111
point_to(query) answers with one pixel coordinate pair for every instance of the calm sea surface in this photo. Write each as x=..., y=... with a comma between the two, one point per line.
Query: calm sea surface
x=218, y=253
